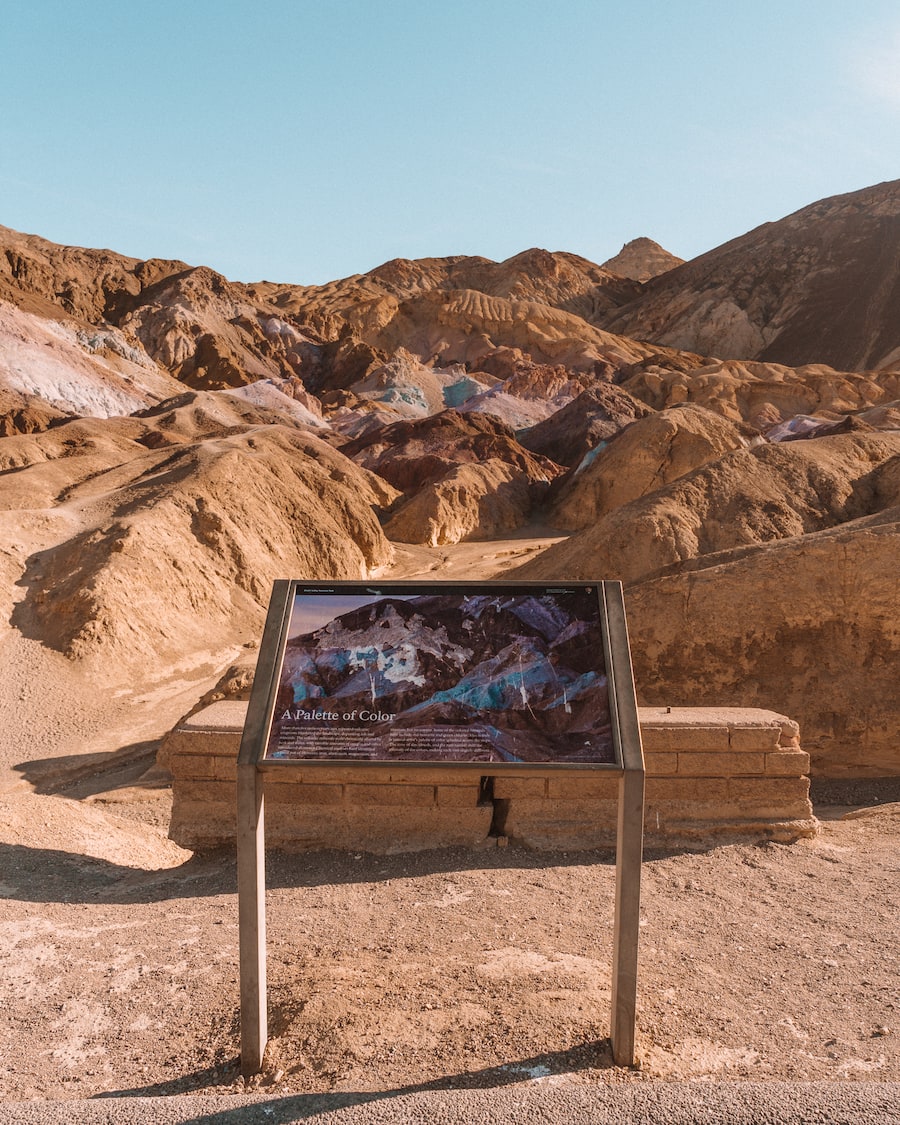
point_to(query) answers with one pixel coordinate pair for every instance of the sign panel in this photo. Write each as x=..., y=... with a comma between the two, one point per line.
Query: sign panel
x=507, y=674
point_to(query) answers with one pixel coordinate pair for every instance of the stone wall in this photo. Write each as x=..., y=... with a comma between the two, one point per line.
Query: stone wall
x=713, y=774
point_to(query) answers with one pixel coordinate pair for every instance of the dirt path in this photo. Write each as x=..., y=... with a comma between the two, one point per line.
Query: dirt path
x=472, y=561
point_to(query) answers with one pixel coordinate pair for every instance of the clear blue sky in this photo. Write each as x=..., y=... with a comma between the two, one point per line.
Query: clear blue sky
x=300, y=141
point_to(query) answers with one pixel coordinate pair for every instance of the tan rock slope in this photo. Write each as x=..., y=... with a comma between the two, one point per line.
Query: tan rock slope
x=155, y=552
x=746, y=497
x=485, y=500
x=641, y=458
x=807, y=625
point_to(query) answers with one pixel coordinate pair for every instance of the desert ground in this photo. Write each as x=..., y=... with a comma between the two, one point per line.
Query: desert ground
x=443, y=969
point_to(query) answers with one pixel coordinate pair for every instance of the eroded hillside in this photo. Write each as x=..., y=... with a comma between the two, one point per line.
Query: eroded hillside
x=173, y=441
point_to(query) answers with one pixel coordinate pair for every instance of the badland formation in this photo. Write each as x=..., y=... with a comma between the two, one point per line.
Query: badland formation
x=723, y=435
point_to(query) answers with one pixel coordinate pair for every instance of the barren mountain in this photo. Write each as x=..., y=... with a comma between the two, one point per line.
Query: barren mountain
x=641, y=259
x=820, y=286
x=488, y=393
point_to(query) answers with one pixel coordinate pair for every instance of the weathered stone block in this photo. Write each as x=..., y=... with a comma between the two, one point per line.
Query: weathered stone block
x=659, y=764
x=214, y=767
x=766, y=788
x=377, y=828
x=457, y=796
x=696, y=790
x=726, y=764
x=508, y=787
x=783, y=797
x=214, y=792
x=574, y=825
x=787, y=763
x=579, y=787
x=420, y=795
x=303, y=794
x=202, y=824
x=683, y=737
x=749, y=738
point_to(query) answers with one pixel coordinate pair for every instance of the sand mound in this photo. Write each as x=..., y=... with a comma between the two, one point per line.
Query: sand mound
x=746, y=497
x=650, y=453
x=74, y=827
x=470, y=502
x=190, y=548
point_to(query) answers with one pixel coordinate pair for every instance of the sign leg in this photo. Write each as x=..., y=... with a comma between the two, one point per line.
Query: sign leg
x=251, y=863
x=629, y=847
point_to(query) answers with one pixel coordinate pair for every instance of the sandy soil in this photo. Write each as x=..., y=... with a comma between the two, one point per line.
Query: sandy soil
x=118, y=958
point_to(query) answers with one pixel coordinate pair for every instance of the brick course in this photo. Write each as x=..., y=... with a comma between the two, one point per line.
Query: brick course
x=712, y=774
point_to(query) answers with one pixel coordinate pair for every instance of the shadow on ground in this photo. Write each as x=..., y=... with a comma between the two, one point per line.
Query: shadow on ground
x=588, y=1056
x=51, y=875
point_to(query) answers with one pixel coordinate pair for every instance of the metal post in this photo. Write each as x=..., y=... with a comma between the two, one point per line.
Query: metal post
x=251, y=864
x=629, y=846
x=629, y=833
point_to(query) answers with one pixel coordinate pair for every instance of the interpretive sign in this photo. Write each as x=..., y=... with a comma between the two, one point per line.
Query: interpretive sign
x=493, y=677
x=454, y=674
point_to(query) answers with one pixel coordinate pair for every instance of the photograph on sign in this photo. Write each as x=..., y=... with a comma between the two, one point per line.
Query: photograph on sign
x=443, y=674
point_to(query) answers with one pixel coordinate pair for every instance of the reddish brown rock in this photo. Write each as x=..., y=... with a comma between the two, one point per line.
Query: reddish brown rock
x=578, y=427
x=411, y=454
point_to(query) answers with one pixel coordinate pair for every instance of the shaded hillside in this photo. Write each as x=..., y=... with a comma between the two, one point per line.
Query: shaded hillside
x=820, y=286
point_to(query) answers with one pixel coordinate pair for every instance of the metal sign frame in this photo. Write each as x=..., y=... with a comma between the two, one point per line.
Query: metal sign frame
x=252, y=769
